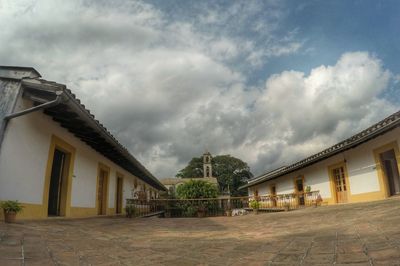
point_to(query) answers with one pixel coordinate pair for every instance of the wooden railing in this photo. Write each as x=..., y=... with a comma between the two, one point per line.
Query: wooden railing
x=219, y=206
x=291, y=200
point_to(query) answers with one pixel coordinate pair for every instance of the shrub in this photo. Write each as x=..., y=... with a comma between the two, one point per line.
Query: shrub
x=254, y=204
x=130, y=210
x=197, y=189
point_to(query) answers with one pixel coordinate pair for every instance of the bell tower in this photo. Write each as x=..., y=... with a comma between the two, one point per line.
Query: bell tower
x=207, y=168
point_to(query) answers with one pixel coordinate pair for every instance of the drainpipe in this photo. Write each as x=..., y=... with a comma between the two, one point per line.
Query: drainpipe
x=56, y=101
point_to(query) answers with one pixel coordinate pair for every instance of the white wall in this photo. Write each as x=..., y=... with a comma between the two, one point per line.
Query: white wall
x=360, y=165
x=24, y=157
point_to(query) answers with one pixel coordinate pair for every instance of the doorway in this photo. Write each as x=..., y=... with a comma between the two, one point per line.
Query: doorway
x=118, y=204
x=58, y=184
x=341, y=187
x=391, y=171
x=102, y=191
x=299, y=186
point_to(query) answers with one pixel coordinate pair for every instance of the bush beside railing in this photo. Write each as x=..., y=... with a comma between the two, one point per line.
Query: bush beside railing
x=218, y=206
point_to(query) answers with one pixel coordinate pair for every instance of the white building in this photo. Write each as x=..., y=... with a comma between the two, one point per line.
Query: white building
x=55, y=158
x=364, y=167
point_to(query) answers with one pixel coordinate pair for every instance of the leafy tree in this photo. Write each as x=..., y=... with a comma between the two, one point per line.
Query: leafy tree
x=230, y=172
x=193, y=169
x=196, y=189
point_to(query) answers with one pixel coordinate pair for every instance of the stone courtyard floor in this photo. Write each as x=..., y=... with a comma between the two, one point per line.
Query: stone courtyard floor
x=353, y=234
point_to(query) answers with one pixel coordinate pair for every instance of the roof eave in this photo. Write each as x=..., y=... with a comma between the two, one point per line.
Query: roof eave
x=75, y=104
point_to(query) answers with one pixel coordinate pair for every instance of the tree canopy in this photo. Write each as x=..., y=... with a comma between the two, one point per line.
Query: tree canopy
x=230, y=172
x=197, y=189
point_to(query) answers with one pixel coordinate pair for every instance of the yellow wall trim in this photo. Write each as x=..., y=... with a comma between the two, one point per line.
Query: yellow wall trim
x=36, y=212
x=369, y=196
x=30, y=211
x=78, y=212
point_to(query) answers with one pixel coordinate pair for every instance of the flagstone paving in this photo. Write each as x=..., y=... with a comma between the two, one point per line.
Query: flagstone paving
x=353, y=234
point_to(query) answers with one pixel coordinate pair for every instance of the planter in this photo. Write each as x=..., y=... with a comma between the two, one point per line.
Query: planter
x=10, y=217
x=228, y=213
x=201, y=214
x=255, y=211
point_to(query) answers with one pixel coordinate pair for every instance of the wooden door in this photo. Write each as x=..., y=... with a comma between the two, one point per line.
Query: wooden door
x=119, y=195
x=300, y=190
x=102, y=193
x=340, y=184
x=273, y=195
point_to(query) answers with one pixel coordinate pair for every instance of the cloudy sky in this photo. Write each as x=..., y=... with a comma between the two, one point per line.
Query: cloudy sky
x=269, y=82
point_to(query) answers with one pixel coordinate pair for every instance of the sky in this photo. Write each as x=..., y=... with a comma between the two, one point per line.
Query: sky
x=269, y=82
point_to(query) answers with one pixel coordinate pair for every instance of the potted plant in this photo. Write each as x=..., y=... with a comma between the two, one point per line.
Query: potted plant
x=11, y=208
x=201, y=210
x=286, y=206
x=318, y=201
x=255, y=205
x=130, y=210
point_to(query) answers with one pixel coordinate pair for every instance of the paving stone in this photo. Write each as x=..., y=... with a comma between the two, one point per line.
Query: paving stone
x=10, y=251
x=38, y=262
x=288, y=258
x=310, y=235
x=319, y=259
x=384, y=254
x=322, y=249
x=352, y=257
x=354, y=264
x=350, y=247
x=388, y=262
x=6, y=262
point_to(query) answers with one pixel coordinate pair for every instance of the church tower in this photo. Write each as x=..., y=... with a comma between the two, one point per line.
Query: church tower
x=207, y=168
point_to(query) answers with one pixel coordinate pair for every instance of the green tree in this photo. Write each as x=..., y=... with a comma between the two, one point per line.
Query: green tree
x=193, y=169
x=196, y=189
x=230, y=172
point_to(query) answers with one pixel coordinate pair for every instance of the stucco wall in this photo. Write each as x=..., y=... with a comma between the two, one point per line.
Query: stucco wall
x=361, y=170
x=24, y=156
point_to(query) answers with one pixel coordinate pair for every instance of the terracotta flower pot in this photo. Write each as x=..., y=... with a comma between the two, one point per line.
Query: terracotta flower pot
x=201, y=214
x=10, y=217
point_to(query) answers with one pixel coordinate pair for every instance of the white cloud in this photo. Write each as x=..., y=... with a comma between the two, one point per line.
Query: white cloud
x=331, y=103
x=169, y=88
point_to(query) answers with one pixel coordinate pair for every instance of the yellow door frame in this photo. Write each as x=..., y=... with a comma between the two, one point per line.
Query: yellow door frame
x=332, y=180
x=383, y=181
x=102, y=167
x=60, y=144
